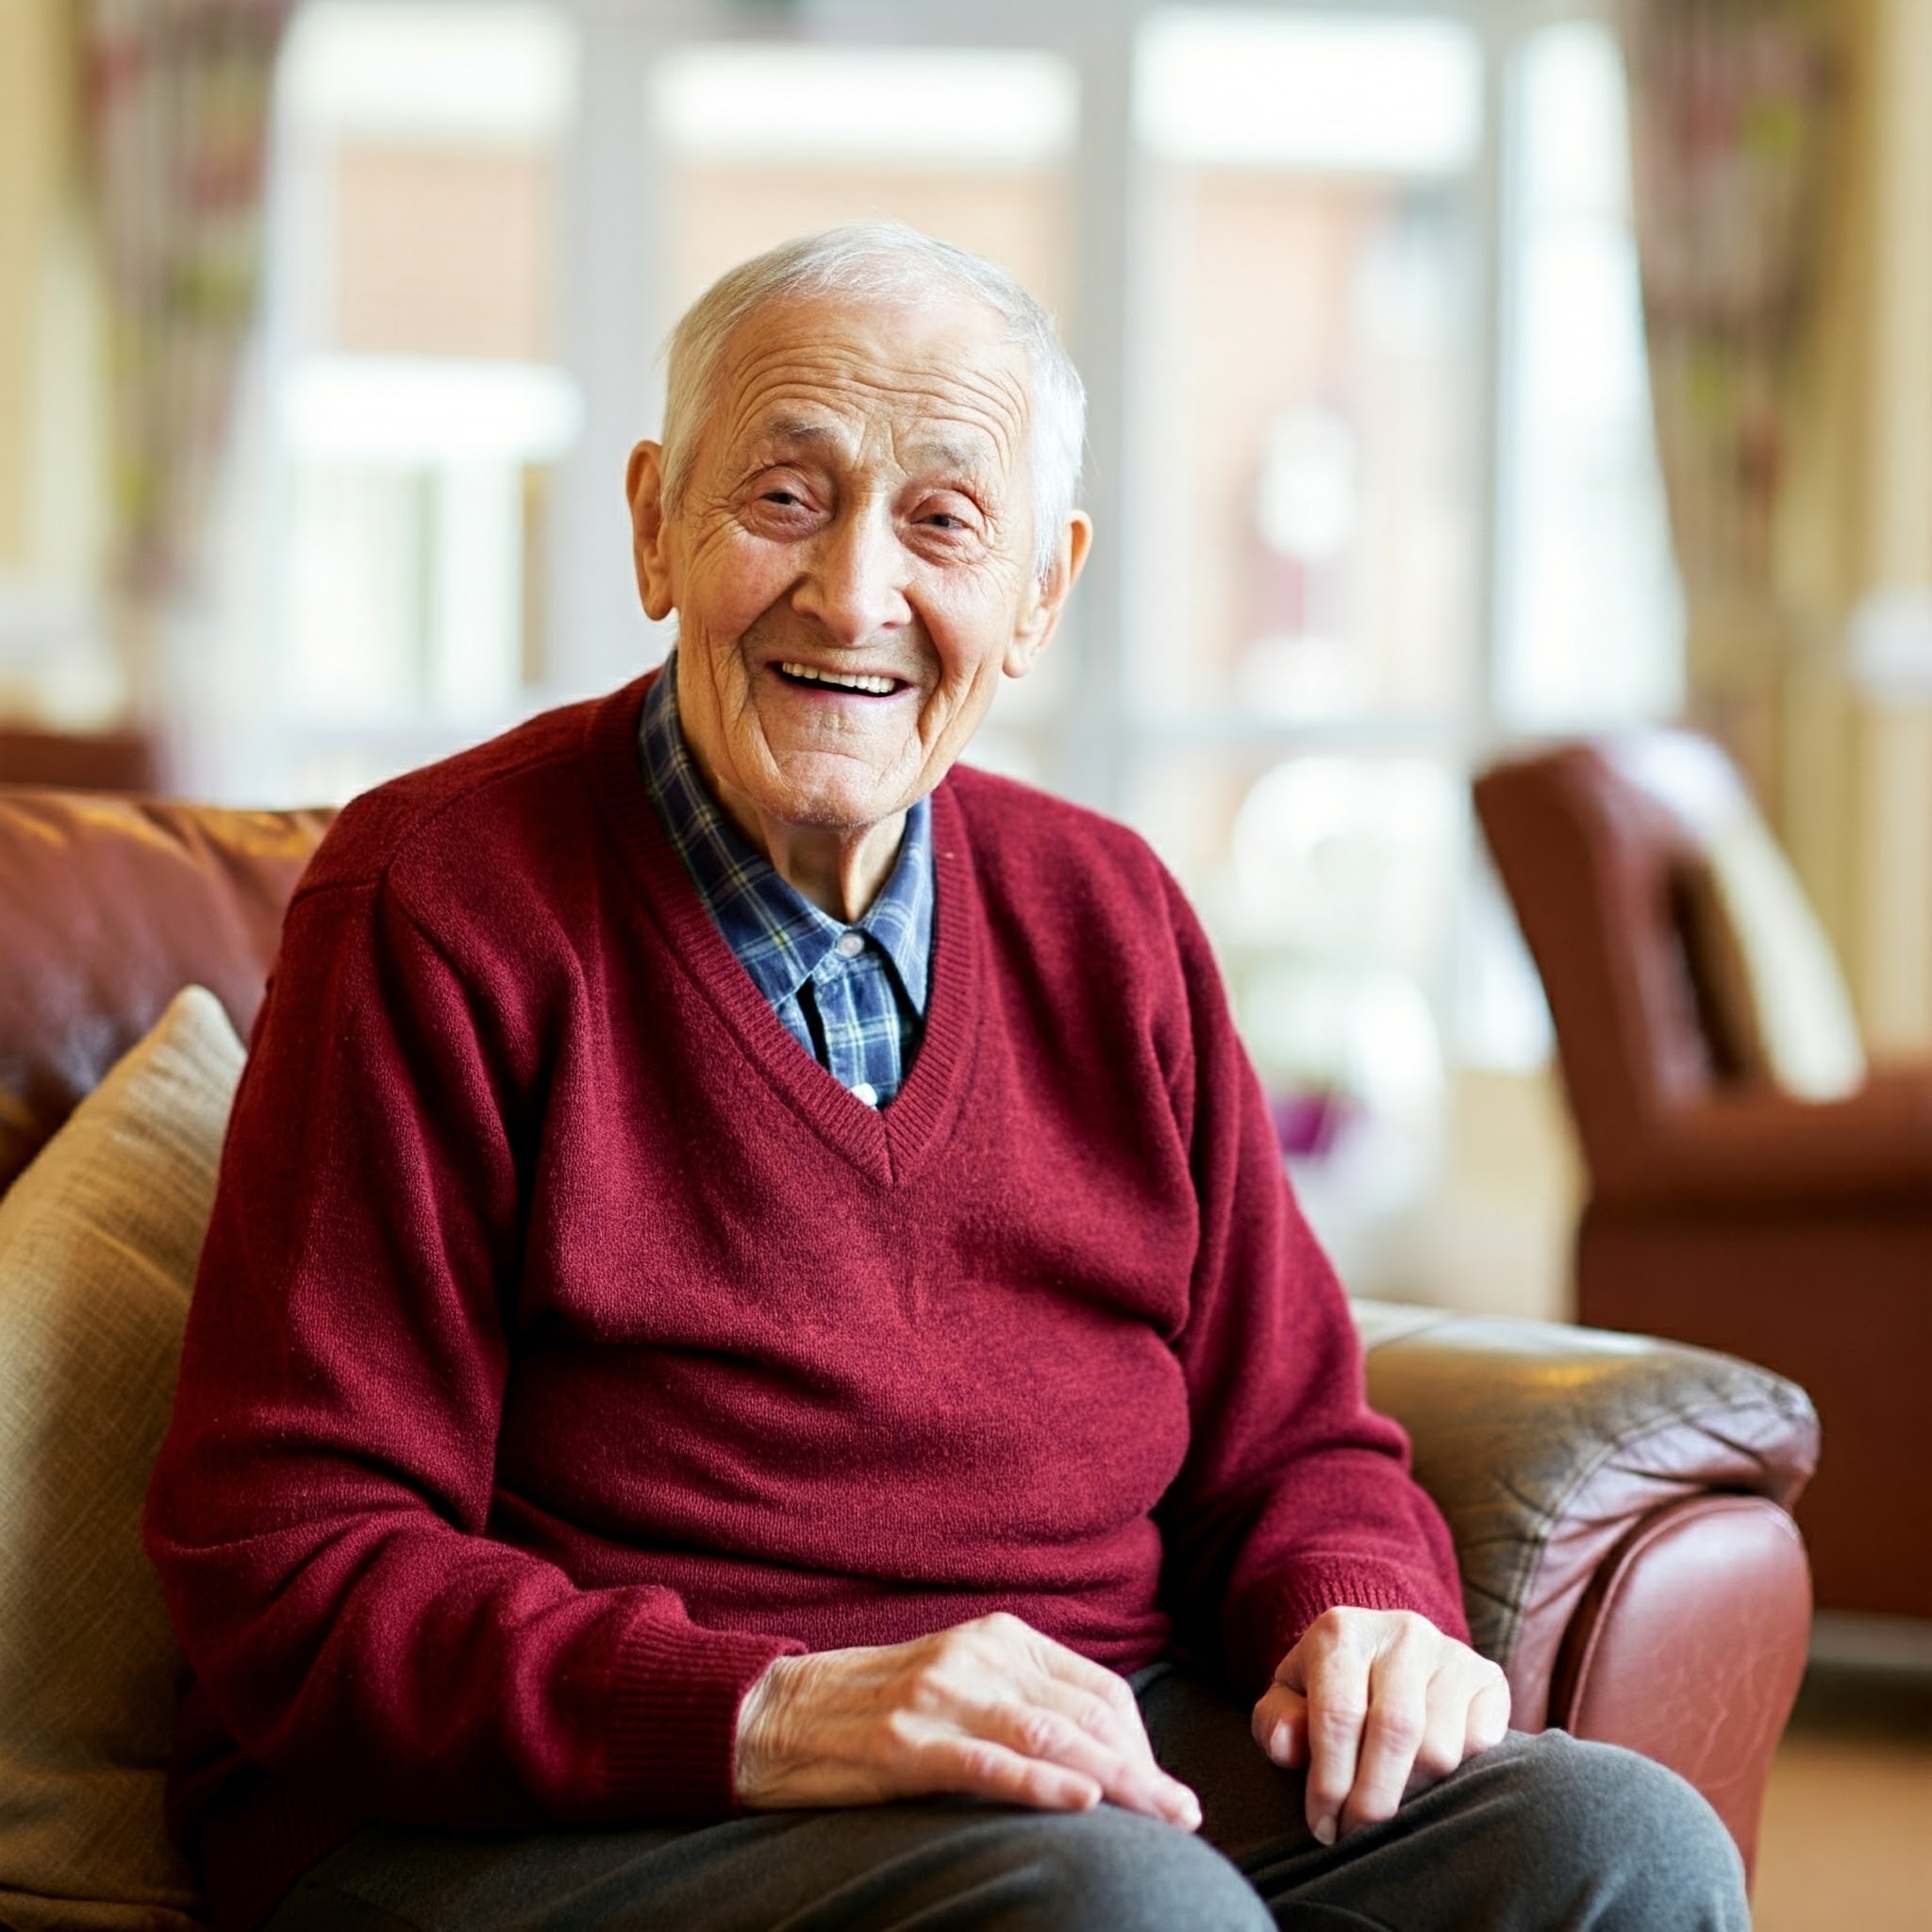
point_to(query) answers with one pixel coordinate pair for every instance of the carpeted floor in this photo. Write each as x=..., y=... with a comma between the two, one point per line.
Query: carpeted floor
x=1847, y=1837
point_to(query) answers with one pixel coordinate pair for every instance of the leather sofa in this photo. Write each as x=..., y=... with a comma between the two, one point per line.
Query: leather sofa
x=1619, y=1505
x=1724, y=1209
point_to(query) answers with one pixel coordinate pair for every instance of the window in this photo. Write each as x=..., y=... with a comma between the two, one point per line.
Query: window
x=1309, y=660
x=416, y=400
x=1353, y=289
x=1590, y=620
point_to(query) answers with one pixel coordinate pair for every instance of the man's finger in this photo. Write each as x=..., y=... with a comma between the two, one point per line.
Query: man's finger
x=1102, y=1705
x=1489, y=1717
x=1280, y=1725
x=1337, y=1697
x=1041, y=1666
x=1097, y=1714
x=1391, y=1734
x=984, y=1768
x=1452, y=1702
x=1061, y=1666
x=1047, y=1736
x=1385, y=1703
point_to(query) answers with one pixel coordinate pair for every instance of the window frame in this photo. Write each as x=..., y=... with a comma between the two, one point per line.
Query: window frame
x=614, y=313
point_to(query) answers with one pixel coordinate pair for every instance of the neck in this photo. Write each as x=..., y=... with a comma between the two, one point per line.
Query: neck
x=840, y=872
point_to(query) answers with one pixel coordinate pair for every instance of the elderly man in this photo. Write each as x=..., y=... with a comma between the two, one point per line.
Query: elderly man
x=755, y=1365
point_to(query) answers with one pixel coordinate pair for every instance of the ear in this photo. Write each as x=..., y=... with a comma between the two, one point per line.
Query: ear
x=1040, y=614
x=644, y=483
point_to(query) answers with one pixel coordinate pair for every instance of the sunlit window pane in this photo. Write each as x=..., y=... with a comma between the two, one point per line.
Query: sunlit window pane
x=951, y=109
x=1589, y=618
x=468, y=70
x=1309, y=487
x=418, y=402
x=1310, y=438
x=1330, y=92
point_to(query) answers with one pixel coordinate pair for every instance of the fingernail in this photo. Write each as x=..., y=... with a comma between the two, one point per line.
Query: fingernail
x=1325, y=1831
x=1277, y=1743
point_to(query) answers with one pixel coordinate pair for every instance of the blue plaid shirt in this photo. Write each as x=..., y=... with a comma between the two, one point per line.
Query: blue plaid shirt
x=853, y=996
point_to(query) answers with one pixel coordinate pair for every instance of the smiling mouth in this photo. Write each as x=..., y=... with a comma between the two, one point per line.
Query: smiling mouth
x=869, y=684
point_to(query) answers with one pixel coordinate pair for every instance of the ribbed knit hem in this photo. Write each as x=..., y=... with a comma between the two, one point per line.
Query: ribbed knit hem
x=674, y=1725
x=1273, y=1625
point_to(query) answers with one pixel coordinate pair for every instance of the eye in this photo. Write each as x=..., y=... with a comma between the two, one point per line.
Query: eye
x=948, y=512
x=786, y=499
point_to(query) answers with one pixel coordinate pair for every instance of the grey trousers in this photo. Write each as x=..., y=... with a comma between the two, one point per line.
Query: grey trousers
x=1542, y=1833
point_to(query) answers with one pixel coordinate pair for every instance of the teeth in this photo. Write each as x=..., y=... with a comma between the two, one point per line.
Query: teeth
x=855, y=680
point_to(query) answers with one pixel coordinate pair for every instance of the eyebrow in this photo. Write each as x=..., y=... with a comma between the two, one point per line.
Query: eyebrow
x=945, y=453
x=793, y=429
x=950, y=456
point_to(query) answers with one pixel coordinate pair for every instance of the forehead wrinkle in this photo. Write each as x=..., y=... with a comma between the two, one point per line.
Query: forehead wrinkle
x=778, y=438
x=796, y=429
x=845, y=393
x=767, y=378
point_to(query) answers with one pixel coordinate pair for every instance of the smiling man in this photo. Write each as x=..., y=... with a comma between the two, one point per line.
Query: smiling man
x=755, y=1364
x=850, y=547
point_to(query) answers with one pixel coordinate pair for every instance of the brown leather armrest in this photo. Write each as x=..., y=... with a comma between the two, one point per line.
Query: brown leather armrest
x=1543, y=1444
x=1762, y=1149
x=108, y=907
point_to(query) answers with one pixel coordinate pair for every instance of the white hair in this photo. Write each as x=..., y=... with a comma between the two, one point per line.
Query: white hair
x=883, y=261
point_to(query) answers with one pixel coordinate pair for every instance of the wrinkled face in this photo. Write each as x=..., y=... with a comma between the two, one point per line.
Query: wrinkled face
x=852, y=561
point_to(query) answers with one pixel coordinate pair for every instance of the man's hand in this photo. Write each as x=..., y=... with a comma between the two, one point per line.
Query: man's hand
x=1376, y=1703
x=991, y=1709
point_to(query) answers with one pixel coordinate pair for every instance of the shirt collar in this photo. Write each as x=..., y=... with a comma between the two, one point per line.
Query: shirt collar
x=779, y=935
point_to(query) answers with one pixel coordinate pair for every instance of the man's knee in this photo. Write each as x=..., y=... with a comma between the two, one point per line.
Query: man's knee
x=1114, y=1871
x=1615, y=1839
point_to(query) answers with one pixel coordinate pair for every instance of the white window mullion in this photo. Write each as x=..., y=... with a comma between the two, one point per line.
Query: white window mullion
x=610, y=299
x=1489, y=236
x=1108, y=344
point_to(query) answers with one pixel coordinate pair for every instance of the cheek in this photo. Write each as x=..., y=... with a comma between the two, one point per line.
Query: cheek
x=730, y=581
x=971, y=635
x=712, y=629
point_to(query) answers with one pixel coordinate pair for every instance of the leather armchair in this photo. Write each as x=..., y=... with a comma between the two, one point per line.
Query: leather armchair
x=1619, y=1505
x=1723, y=1210
x=93, y=761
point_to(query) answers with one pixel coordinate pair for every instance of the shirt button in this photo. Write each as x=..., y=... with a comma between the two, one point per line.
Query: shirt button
x=866, y=1091
x=851, y=944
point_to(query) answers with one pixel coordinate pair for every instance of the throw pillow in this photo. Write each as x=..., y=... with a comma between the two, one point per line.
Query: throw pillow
x=1767, y=966
x=98, y=1244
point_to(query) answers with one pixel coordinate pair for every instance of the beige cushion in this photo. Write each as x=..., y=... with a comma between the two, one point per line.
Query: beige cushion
x=1779, y=1001
x=98, y=1243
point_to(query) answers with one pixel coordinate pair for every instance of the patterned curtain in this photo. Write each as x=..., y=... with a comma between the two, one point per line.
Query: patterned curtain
x=177, y=99
x=1728, y=99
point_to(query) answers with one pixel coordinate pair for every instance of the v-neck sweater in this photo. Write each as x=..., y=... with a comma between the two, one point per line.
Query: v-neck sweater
x=569, y=1344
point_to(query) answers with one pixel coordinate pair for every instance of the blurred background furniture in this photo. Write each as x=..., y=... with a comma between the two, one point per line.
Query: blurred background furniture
x=1754, y=1187
x=82, y=761
x=1619, y=1505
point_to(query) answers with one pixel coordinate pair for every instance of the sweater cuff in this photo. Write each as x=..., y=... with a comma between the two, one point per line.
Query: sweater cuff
x=674, y=1723
x=1276, y=1617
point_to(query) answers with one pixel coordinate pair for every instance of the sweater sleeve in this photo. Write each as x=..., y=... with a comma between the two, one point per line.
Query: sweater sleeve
x=1295, y=1496
x=319, y=1512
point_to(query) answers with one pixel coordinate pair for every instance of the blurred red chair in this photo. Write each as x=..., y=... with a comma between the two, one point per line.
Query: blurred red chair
x=80, y=762
x=1754, y=1187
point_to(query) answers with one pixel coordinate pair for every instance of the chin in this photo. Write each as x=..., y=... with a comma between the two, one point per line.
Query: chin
x=830, y=805
x=847, y=818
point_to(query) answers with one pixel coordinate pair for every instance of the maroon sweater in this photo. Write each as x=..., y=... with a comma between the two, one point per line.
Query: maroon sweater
x=568, y=1343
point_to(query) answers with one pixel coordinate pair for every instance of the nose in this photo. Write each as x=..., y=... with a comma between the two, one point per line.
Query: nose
x=855, y=581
